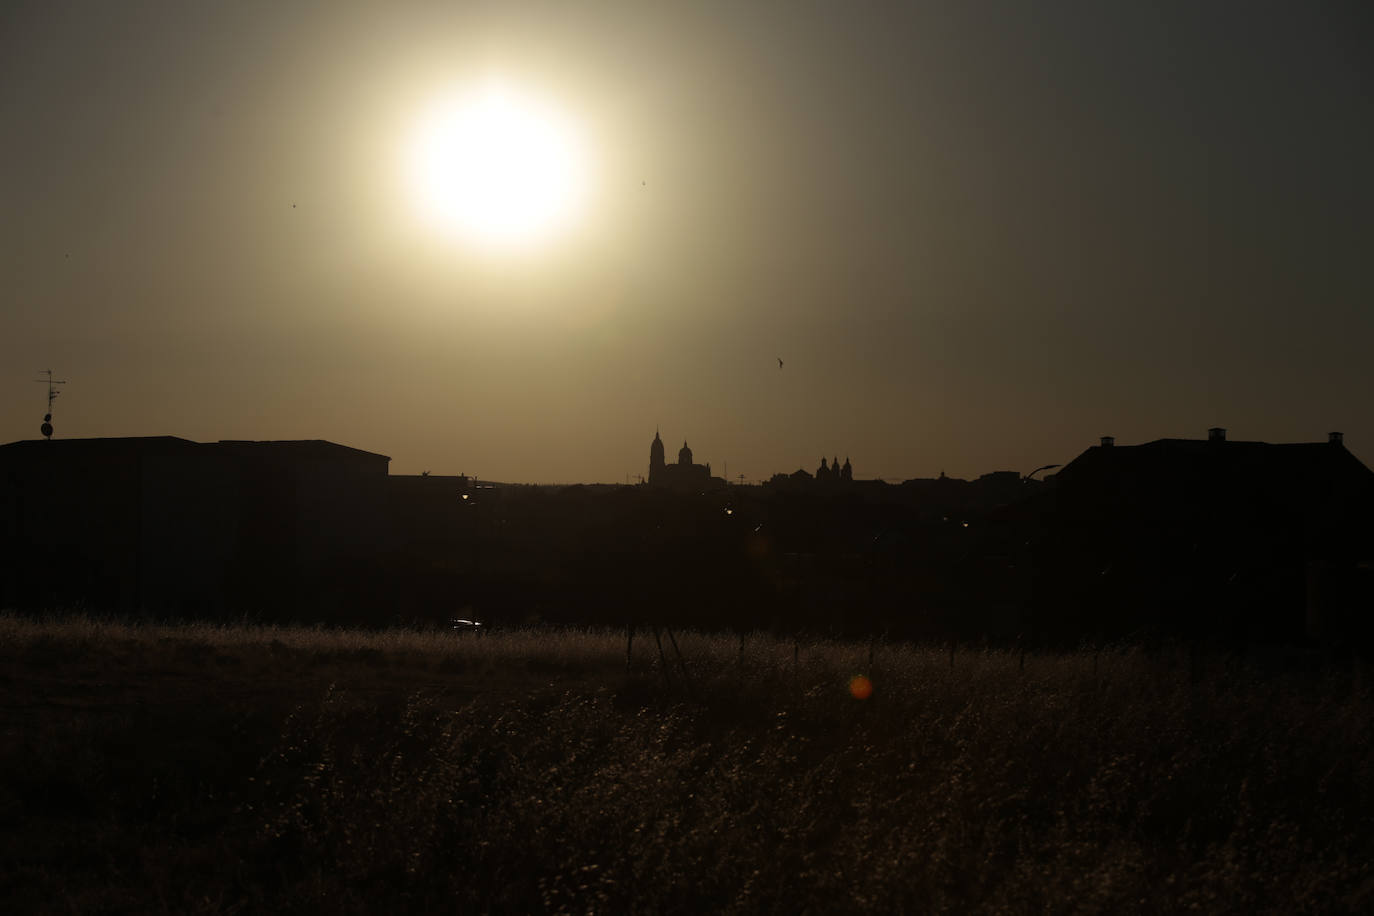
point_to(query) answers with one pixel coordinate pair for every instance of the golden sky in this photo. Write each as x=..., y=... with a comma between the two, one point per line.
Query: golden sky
x=979, y=235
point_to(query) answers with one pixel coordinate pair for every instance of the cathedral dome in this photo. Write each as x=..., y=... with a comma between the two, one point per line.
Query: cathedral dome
x=684, y=455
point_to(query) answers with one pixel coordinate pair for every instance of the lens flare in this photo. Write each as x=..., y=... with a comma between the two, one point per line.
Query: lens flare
x=860, y=687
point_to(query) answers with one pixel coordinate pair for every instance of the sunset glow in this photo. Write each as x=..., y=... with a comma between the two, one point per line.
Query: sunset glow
x=927, y=238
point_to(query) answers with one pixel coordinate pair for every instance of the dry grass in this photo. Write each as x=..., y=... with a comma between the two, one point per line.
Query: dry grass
x=250, y=768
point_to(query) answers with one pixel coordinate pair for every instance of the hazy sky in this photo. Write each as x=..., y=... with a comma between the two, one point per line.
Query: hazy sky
x=980, y=235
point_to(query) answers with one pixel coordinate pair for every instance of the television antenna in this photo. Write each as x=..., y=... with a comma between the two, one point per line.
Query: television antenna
x=46, y=428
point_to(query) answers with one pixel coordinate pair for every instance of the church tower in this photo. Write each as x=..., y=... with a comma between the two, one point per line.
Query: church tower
x=656, y=461
x=684, y=455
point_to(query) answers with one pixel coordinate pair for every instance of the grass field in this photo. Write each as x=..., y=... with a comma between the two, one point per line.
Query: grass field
x=195, y=769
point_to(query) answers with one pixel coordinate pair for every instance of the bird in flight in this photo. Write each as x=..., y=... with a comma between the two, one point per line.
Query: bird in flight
x=779, y=362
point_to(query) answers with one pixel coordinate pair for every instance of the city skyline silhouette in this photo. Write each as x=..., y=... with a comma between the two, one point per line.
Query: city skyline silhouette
x=516, y=456
x=945, y=237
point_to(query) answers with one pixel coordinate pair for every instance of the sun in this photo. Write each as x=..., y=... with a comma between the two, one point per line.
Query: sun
x=498, y=167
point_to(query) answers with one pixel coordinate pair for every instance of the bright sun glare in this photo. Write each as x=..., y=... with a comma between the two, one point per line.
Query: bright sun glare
x=499, y=168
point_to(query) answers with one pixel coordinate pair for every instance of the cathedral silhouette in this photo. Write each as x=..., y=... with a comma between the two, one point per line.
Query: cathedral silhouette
x=681, y=476
x=685, y=475
x=835, y=472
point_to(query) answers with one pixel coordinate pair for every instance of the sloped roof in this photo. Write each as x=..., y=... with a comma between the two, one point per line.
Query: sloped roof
x=1248, y=457
x=96, y=448
x=113, y=447
x=301, y=447
x=1166, y=475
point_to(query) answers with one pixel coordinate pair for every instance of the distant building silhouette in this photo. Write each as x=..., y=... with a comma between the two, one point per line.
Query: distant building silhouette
x=684, y=475
x=834, y=473
x=830, y=472
x=954, y=497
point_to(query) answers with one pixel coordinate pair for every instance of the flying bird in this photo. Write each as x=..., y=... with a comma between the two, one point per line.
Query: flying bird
x=779, y=362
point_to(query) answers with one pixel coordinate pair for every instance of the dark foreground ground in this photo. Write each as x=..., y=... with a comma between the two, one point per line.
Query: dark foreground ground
x=163, y=769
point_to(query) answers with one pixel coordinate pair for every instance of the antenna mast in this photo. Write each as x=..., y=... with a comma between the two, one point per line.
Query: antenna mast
x=46, y=428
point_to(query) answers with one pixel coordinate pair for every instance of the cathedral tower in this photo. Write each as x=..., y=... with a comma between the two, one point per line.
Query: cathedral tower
x=656, y=461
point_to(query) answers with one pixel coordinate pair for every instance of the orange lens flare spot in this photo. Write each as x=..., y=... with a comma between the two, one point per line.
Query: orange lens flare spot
x=860, y=687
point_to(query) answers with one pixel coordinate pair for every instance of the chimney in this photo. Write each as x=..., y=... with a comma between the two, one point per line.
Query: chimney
x=1335, y=438
x=1216, y=434
x=1108, y=441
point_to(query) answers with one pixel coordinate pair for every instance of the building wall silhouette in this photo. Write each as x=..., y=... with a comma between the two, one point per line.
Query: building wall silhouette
x=1235, y=540
x=167, y=524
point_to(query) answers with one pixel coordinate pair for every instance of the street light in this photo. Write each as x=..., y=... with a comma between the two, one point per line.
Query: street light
x=1037, y=471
